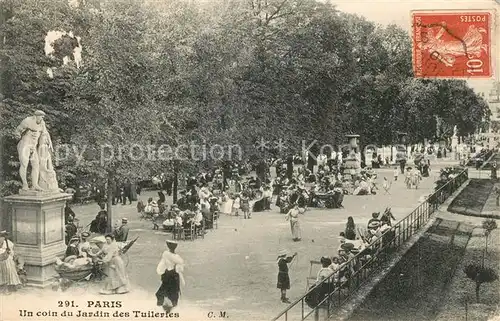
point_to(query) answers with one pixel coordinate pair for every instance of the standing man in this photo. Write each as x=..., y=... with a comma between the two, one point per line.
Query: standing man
x=68, y=213
x=170, y=269
x=28, y=133
x=127, y=191
x=121, y=234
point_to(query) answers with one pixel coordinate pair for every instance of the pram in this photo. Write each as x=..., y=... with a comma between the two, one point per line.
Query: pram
x=93, y=270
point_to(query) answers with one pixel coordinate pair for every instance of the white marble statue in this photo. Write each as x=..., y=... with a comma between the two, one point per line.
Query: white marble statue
x=34, y=140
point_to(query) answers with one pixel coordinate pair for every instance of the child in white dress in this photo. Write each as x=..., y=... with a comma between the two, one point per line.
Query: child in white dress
x=236, y=205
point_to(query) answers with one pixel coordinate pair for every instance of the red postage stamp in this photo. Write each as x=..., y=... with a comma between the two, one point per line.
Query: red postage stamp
x=452, y=44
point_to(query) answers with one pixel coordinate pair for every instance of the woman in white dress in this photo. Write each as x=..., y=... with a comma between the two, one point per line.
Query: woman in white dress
x=9, y=278
x=117, y=280
x=227, y=204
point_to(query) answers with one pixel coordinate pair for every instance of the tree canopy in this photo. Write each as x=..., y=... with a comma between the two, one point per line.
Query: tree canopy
x=227, y=73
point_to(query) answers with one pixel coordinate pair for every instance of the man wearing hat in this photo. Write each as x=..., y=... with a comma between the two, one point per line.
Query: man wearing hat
x=28, y=133
x=84, y=245
x=170, y=269
x=121, y=233
x=283, y=277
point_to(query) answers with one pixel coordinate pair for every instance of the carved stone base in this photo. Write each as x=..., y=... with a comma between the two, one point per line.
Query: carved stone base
x=37, y=230
x=32, y=192
x=41, y=276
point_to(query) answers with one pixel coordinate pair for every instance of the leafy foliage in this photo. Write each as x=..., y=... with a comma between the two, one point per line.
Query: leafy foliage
x=480, y=275
x=219, y=72
x=489, y=225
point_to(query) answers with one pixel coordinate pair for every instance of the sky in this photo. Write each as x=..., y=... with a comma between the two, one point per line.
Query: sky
x=398, y=12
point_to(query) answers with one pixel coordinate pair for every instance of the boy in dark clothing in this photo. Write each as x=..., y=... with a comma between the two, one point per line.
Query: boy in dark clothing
x=283, y=277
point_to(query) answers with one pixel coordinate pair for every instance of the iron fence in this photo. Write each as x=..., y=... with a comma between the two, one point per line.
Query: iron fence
x=331, y=293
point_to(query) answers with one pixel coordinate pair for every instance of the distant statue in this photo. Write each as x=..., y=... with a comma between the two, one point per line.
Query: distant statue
x=29, y=132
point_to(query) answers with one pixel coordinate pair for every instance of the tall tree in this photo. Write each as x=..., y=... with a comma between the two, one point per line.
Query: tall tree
x=112, y=99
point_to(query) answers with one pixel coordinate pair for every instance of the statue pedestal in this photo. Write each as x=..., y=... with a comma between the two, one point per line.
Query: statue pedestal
x=37, y=230
x=352, y=163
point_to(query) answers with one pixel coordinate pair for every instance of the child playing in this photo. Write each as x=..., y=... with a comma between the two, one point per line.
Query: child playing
x=236, y=205
x=283, y=277
x=245, y=205
x=387, y=185
x=396, y=173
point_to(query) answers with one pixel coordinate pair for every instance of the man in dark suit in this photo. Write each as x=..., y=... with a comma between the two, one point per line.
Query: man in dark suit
x=182, y=202
x=121, y=234
x=127, y=191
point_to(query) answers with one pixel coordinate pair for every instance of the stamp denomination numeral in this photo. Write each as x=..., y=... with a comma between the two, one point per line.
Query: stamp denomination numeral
x=474, y=65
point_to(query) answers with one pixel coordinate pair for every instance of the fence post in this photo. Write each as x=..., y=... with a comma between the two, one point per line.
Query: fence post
x=316, y=314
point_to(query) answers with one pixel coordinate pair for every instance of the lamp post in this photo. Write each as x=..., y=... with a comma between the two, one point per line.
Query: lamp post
x=352, y=162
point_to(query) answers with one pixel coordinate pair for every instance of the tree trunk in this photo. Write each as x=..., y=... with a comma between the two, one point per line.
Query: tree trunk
x=109, y=207
x=289, y=167
x=484, y=251
x=175, y=183
x=477, y=291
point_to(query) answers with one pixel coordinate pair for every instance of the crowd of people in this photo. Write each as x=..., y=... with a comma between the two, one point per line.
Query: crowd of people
x=204, y=198
x=357, y=247
x=228, y=191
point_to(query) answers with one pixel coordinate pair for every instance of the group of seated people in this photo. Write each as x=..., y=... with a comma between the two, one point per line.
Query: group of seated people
x=324, y=189
x=207, y=195
x=355, y=250
x=307, y=190
x=184, y=219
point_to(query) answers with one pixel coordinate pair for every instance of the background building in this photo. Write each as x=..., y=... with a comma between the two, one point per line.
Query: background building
x=493, y=99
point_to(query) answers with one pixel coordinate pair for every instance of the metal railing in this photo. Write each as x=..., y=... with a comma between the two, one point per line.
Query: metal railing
x=331, y=293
